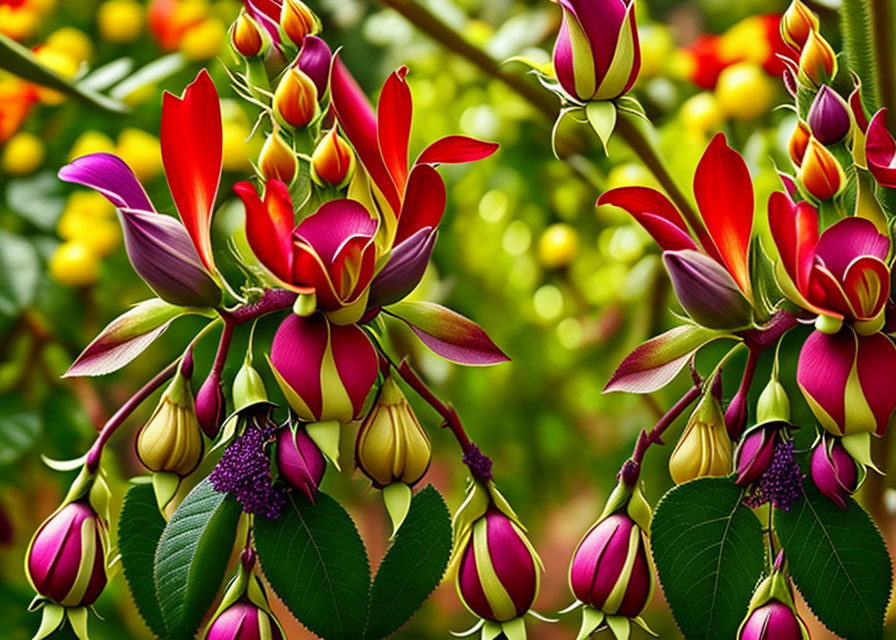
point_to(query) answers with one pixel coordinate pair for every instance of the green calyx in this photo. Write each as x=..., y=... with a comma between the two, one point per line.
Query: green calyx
x=480, y=495
x=632, y=500
x=773, y=404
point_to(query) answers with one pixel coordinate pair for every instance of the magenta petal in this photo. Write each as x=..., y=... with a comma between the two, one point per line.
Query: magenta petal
x=404, y=270
x=511, y=560
x=824, y=366
x=880, y=150
x=471, y=587
x=601, y=22
x=706, y=290
x=163, y=255
x=589, y=553
x=563, y=59
x=267, y=14
x=314, y=60
x=876, y=366
x=109, y=175
x=772, y=621
x=299, y=460
x=297, y=353
x=327, y=229
x=846, y=240
x=356, y=362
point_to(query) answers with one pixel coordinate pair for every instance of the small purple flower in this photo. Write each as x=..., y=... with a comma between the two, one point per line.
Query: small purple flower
x=404, y=270
x=314, y=60
x=781, y=484
x=245, y=471
x=829, y=116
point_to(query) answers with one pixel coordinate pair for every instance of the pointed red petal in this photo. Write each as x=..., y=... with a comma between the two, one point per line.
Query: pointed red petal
x=794, y=228
x=393, y=119
x=191, y=152
x=456, y=149
x=269, y=226
x=724, y=193
x=653, y=211
x=876, y=366
x=424, y=202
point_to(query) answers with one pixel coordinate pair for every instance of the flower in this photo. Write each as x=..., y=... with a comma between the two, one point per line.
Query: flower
x=839, y=275
x=299, y=460
x=245, y=471
x=798, y=143
x=797, y=23
x=833, y=470
x=781, y=482
x=880, y=150
x=325, y=370
x=597, y=55
x=708, y=293
x=246, y=36
x=830, y=118
x=773, y=621
x=330, y=254
x=333, y=161
x=315, y=59
x=818, y=62
x=820, y=172
x=298, y=21
x=295, y=99
x=704, y=448
x=724, y=193
x=66, y=559
x=243, y=621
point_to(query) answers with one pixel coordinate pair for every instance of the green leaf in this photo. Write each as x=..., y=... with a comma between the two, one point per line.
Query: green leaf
x=413, y=566
x=601, y=116
x=314, y=558
x=37, y=199
x=192, y=555
x=20, y=428
x=709, y=554
x=19, y=272
x=139, y=530
x=839, y=562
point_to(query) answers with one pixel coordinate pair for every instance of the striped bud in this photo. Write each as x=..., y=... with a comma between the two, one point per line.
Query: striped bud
x=773, y=621
x=391, y=445
x=171, y=440
x=820, y=173
x=610, y=569
x=210, y=405
x=295, y=100
x=333, y=161
x=754, y=454
x=244, y=621
x=277, y=160
x=66, y=561
x=798, y=143
x=246, y=37
x=797, y=23
x=834, y=471
x=298, y=21
x=829, y=116
x=299, y=460
x=704, y=448
x=498, y=577
x=818, y=62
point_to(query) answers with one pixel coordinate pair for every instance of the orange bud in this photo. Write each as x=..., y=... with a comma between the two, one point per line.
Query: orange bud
x=797, y=23
x=818, y=63
x=245, y=36
x=798, y=142
x=298, y=21
x=333, y=161
x=295, y=100
x=820, y=174
x=278, y=160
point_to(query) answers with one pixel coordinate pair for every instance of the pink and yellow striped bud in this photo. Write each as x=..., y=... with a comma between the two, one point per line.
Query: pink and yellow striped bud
x=834, y=471
x=277, y=160
x=244, y=621
x=66, y=560
x=298, y=21
x=772, y=613
x=704, y=448
x=333, y=161
x=818, y=62
x=797, y=23
x=820, y=173
x=295, y=99
x=299, y=460
x=246, y=36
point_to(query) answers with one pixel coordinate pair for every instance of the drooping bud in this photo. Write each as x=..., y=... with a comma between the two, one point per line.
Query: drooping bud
x=797, y=23
x=66, y=560
x=754, y=453
x=829, y=116
x=295, y=99
x=834, y=471
x=798, y=143
x=171, y=440
x=210, y=405
x=706, y=290
x=333, y=161
x=772, y=612
x=298, y=21
x=821, y=174
x=299, y=460
x=246, y=36
x=243, y=621
x=704, y=448
x=277, y=160
x=818, y=62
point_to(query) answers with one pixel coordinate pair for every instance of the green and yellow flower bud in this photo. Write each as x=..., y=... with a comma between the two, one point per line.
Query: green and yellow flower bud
x=704, y=448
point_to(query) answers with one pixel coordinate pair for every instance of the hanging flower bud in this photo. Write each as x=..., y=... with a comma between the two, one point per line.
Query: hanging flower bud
x=706, y=290
x=773, y=403
x=754, y=453
x=818, y=62
x=772, y=612
x=66, y=560
x=298, y=21
x=295, y=100
x=210, y=405
x=278, y=160
x=299, y=460
x=171, y=440
x=797, y=23
x=834, y=471
x=704, y=448
x=243, y=621
x=246, y=37
x=597, y=55
x=333, y=161
x=798, y=143
x=314, y=60
x=821, y=174
x=829, y=116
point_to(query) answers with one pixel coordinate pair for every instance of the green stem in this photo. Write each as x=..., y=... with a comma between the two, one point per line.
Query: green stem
x=856, y=25
x=883, y=51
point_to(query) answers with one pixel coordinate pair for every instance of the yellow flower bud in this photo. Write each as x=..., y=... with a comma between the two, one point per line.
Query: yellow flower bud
x=391, y=445
x=298, y=21
x=72, y=41
x=246, y=36
x=142, y=151
x=171, y=440
x=278, y=160
x=333, y=161
x=204, y=40
x=797, y=23
x=821, y=174
x=295, y=100
x=798, y=143
x=818, y=62
x=704, y=448
x=23, y=154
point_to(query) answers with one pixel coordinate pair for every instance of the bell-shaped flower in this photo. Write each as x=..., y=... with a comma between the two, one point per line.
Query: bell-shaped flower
x=847, y=381
x=724, y=193
x=704, y=448
x=833, y=470
x=597, y=55
x=772, y=613
x=277, y=160
x=839, y=275
x=298, y=21
x=295, y=99
x=880, y=151
x=333, y=161
x=299, y=460
x=830, y=118
x=708, y=293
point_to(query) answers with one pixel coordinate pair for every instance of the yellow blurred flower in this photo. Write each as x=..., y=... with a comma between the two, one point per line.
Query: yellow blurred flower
x=73, y=264
x=60, y=62
x=19, y=23
x=656, y=44
x=205, y=40
x=746, y=40
x=744, y=91
x=236, y=150
x=142, y=152
x=91, y=142
x=120, y=21
x=72, y=41
x=23, y=154
x=100, y=235
x=701, y=113
x=558, y=246
x=90, y=203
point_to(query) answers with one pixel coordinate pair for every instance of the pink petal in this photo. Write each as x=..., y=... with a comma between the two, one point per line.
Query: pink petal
x=876, y=364
x=356, y=362
x=334, y=223
x=867, y=285
x=880, y=150
x=846, y=240
x=825, y=363
x=109, y=175
x=297, y=354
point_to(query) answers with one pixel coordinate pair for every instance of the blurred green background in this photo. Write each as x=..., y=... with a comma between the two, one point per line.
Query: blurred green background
x=567, y=290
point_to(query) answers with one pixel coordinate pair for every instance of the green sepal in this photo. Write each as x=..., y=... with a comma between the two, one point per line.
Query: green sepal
x=397, y=498
x=602, y=118
x=100, y=496
x=464, y=634
x=591, y=619
x=491, y=630
x=867, y=205
x=620, y=626
x=643, y=624
x=326, y=436
x=480, y=495
x=64, y=465
x=52, y=617
x=81, y=486
x=305, y=304
x=77, y=618
x=248, y=386
x=633, y=501
x=858, y=445
x=164, y=485
x=514, y=629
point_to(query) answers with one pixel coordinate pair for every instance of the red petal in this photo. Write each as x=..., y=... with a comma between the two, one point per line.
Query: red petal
x=393, y=118
x=653, y=211
x=356, y=362
x=825, y=363
x=456, y=149
x=724, y=193
x=424, y=202
x=827, y=294
x=876, y=366
x=794, y=228
x=880, y=150
x=309, y=271
x=867, y=285
x=269, y=226
x=353, y=267
x=191, y=152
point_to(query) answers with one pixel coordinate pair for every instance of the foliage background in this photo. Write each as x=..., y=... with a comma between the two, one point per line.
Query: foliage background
x=556, y=440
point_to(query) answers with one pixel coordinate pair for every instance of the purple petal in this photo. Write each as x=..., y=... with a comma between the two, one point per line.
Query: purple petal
x=512, y=561
x=163, y=255
x=404, y=270
x=848, y=239
x=601, y=21
x=706, y=290
x=109, y=175
x=314, y=60
x=829, y=117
